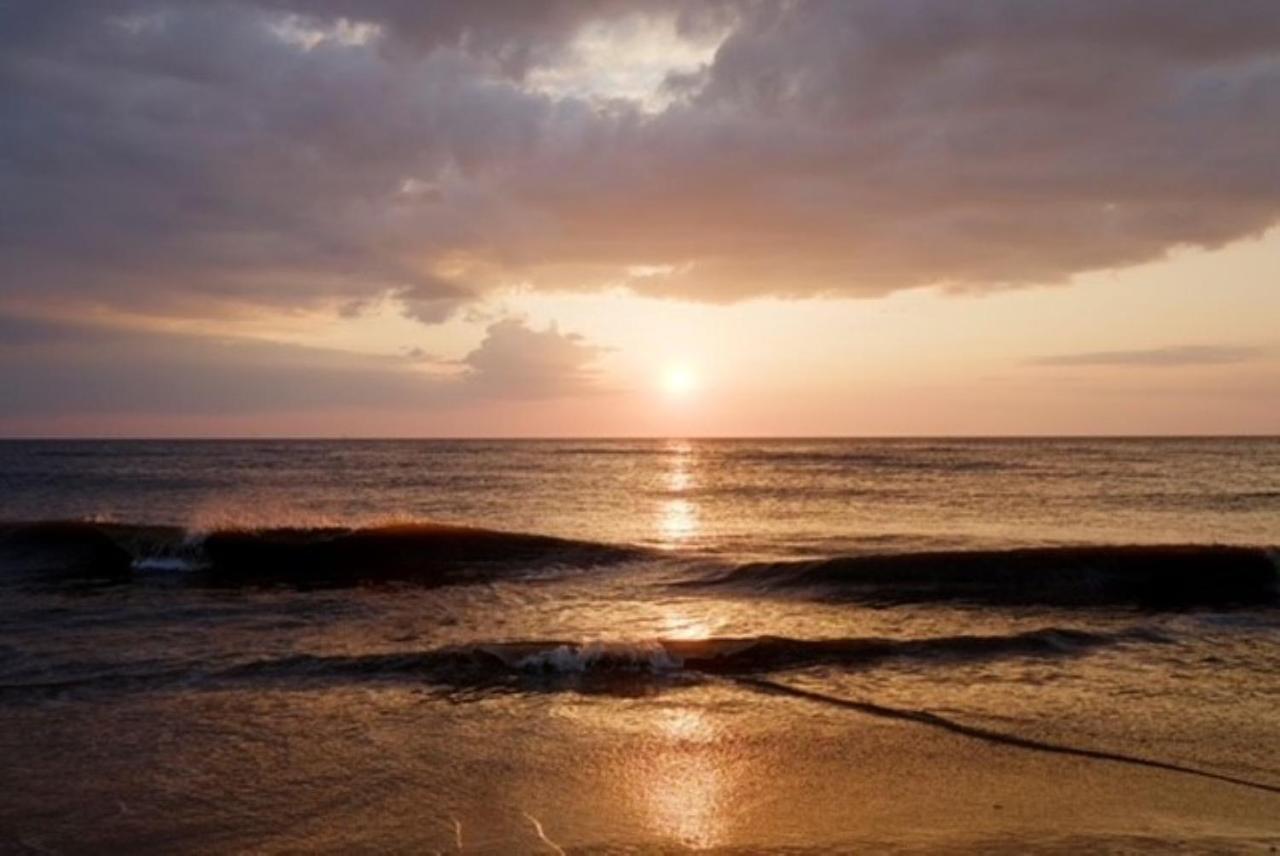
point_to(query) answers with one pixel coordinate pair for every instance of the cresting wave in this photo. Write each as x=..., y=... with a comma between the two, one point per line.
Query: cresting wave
x=1152, y=577
x=595, y=665
x=421, y=553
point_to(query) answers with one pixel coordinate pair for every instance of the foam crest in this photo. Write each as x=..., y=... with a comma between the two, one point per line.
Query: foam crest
x=648, y=656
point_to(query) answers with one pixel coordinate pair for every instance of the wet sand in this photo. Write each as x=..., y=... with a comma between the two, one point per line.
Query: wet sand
x=713, y=768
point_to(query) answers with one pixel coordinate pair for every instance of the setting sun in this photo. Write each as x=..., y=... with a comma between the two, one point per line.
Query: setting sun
x=679, y=381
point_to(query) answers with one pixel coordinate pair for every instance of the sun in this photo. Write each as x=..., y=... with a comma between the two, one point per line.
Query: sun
x=679, y=381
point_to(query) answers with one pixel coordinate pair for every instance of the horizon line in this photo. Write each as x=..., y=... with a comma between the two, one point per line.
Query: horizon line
x=141, y=438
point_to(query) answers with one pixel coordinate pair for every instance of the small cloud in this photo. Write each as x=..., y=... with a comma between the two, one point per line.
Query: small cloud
x=1170, y=357
x=516, y=360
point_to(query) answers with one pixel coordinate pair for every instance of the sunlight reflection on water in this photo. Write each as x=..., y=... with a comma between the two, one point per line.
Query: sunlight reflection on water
x=679, y=625
x=678, y=516
x=684, y=785
x=679, y=521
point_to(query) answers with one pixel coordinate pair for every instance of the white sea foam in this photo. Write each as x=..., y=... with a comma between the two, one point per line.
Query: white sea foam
x=569, y=659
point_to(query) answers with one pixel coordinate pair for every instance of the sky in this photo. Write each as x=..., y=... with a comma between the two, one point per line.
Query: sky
x=715, y=218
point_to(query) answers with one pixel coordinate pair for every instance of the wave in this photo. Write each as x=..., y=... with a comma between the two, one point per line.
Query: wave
x=749, y=655
x=64, y=549
x=1152, y=577
x=421, y=553
x=478, y=663
x=598, y=666
x=427, y=554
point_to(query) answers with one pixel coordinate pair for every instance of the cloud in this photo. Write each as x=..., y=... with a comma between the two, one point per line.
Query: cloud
x=51, y=369
x=431, y=300
x=1176, y=356
x=195, y=159
x=515, y=360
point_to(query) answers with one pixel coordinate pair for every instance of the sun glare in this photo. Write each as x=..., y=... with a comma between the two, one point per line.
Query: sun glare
x=679, y=381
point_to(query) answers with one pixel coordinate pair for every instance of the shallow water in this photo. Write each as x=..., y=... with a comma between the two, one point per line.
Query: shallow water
x=672, y=669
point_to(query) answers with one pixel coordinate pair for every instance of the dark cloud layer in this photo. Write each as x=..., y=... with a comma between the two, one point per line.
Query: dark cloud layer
x=184, y=157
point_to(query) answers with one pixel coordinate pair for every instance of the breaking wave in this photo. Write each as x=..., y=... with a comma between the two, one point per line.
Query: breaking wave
x=750, y=655
x=421, y=553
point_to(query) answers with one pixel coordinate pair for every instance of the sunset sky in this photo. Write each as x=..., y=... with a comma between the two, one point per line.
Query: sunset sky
x=383, y=217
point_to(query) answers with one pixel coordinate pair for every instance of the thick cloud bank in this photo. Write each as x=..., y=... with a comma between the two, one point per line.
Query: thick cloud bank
x=189, y=157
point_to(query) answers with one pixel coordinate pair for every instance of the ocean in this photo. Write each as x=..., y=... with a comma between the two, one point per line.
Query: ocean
x=634, y=646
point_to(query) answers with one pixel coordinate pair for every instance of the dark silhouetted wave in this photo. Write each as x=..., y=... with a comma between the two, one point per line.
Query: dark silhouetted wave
x=427, y=554
x=420, y=553
x=1152, y=577
x=63, y=550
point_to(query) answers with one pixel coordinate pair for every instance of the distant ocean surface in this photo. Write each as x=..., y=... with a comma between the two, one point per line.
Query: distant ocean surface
x=772, y=497
x=638, y=646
